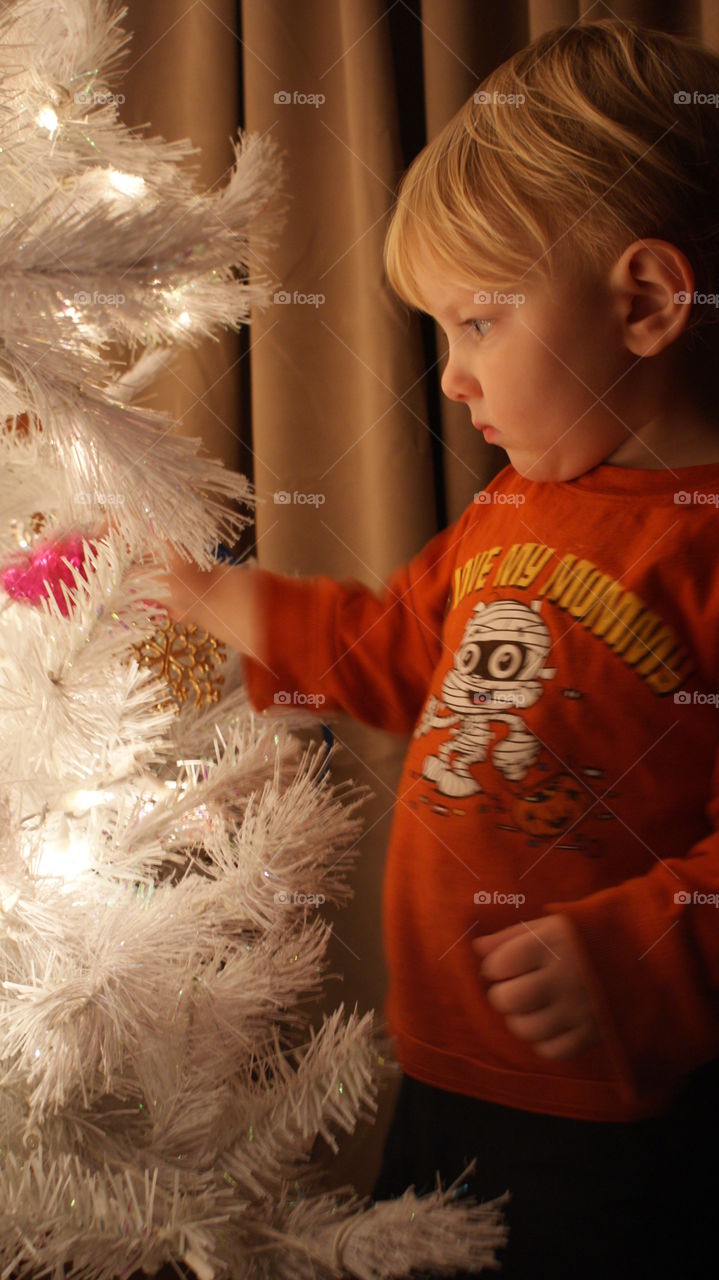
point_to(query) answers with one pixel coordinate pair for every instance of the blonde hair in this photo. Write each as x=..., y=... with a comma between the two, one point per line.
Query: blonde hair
x=570, y=150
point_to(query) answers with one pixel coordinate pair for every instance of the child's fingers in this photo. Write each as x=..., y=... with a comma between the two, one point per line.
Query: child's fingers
x=511, y=956
x=543, y=1025
x=529, y=993
x=487, y=942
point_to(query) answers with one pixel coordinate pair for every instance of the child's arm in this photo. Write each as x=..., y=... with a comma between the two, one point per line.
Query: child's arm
x=649, y=949
x=323, y=645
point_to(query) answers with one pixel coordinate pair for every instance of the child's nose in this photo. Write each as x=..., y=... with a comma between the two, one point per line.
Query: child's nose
x=457, y=382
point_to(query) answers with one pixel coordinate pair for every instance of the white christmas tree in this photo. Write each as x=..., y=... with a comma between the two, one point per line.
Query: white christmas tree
x=160, y=1087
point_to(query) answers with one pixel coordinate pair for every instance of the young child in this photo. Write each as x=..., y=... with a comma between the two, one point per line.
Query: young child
x=550, y=904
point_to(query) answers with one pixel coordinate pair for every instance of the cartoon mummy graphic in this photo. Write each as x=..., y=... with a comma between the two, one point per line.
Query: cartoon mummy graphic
x=498, y=668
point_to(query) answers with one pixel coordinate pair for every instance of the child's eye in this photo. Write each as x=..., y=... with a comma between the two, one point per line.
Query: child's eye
x=476, y=327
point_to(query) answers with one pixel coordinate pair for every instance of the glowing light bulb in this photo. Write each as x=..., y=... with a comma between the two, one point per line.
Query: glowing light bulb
x=47, y=119
x=128, y=184
x=64, y=856
x=72, y=312
x=82, y=800
x=185, y=319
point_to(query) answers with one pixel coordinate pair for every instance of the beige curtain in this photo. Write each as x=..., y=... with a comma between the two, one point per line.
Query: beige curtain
x=183, y=81
x=338, y=396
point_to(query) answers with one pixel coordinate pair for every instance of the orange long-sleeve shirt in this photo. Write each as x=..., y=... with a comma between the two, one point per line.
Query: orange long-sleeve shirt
x=555, y=656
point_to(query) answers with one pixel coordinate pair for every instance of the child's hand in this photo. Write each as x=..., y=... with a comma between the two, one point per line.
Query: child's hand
x=221, y=600
x=536, y=981
x=188, y=586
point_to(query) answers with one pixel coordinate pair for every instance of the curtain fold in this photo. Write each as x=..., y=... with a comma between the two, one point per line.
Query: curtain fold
x=336, y=387
x=183, y=75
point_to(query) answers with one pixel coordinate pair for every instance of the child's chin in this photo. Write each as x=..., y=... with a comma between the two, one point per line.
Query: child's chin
x=540, y=469
x=544, y=470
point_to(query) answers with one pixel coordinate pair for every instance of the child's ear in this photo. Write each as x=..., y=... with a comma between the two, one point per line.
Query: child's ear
x=652, y=284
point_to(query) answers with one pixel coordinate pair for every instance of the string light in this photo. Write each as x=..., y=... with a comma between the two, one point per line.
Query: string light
x=82, y=800
x=63, y=853
x=128, y=184
x=72, y=312
x=46, y=118
x=65, y=856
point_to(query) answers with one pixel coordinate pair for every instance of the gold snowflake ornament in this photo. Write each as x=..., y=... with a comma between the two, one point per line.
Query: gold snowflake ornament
x=188, y=659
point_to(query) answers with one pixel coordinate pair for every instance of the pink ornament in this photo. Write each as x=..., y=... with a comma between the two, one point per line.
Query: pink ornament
x=41, y=573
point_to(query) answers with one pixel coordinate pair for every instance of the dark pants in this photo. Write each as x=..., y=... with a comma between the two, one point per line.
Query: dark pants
x=589, y=1201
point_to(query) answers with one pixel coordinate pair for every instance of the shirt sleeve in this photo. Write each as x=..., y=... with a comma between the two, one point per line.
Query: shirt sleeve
x=650, y=948
x=332, y=645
